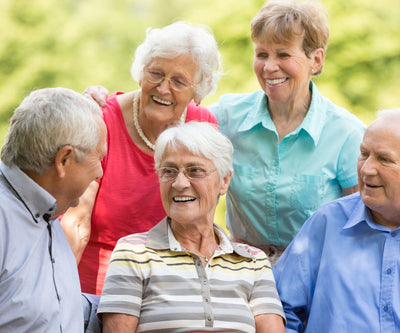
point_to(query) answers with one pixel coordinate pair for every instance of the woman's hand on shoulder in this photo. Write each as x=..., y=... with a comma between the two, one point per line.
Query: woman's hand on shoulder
x=98, y=94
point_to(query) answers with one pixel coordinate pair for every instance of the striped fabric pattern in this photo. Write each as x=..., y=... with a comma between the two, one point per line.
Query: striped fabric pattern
x=172, y=291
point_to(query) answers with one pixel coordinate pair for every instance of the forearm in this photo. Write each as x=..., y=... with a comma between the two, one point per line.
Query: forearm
x=269, y=323
x=119, y=323
x=76, y=221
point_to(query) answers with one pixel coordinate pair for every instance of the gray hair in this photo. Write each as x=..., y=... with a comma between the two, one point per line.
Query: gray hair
x=47, y=120
x=177, y=39
x=199, y=138
x=389, y=113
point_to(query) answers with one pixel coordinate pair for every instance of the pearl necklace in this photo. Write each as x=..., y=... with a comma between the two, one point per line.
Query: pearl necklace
x=137, y=125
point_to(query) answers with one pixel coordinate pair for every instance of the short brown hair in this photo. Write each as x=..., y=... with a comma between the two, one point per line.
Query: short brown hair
x=279, y=21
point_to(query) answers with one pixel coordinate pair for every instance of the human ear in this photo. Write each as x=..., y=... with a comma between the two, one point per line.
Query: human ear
x=317, y=57
x=63, y=159
x=225, y=184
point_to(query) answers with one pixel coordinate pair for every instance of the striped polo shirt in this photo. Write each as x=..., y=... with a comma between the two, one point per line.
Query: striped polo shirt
x=152, y=277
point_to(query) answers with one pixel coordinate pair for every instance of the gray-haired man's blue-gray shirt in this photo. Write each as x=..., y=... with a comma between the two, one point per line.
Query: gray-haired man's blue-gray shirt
x=39, y=284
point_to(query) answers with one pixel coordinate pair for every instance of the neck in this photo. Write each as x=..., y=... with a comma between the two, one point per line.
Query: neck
x=200, y=241
x=147, y=139
x=288, y=116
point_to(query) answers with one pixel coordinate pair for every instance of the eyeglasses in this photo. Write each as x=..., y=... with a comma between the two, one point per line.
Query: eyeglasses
x=176, y=83
x=167, y=174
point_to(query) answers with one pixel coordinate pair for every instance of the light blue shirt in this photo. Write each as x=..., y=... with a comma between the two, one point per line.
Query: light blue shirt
x=341, y=272
x=276, y=185
x=39, y=284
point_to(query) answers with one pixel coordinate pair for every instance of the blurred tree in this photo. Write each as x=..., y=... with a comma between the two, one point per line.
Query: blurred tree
x=76, y=43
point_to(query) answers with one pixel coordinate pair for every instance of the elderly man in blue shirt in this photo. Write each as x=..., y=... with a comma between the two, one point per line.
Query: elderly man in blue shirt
x=52, y=152
x=341, y=271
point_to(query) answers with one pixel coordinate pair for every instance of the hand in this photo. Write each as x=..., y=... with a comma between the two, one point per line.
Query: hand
x=98, y=94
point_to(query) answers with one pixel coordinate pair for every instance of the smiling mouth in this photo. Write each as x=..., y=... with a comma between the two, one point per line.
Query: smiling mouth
x=372, y=186
x=161, y=101
x=183, y=199
x=274, y=82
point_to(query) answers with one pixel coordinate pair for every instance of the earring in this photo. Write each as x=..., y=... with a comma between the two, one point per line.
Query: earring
x=312, y=70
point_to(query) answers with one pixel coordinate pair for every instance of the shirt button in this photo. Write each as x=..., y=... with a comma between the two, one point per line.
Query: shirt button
x=205, y=282
x=386, y=308
x=206, y=300
x=37, y=215
x=209, y=318
x=388, y=271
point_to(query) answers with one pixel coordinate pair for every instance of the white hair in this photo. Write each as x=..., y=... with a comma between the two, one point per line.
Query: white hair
x=47, y=120
x=177, y=39
x=199, y=138
x=388, y=113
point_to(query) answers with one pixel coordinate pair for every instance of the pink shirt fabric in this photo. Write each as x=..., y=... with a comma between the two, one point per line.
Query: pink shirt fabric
x=128, y=200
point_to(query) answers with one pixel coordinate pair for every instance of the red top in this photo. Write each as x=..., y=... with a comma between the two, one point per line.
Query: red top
x=128, y=200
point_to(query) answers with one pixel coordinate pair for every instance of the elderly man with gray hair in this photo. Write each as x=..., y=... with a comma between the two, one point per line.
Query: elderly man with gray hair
x=341, y=271
x=51, y=154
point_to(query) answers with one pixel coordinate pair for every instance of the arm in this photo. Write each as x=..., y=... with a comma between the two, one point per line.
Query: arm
x=76, y=221
x=349, y=190
x=269, y=323
x=119, y=323
x=96, y=93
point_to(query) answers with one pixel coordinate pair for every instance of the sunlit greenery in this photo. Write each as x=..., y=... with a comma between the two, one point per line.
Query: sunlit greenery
x=77, y=43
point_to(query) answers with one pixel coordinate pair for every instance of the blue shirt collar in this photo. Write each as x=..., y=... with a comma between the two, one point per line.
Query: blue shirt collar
x=38, y=201
x=362, y=214
x=312, y=124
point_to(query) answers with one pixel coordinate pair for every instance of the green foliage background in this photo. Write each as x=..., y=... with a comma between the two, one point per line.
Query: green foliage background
x=77, y=43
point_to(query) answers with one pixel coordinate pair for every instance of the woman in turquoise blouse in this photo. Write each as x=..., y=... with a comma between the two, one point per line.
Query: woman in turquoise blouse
x=294, y=150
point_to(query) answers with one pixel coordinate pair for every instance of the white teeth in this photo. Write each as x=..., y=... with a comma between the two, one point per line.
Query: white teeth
x=162, y=101
x=276, y=81
x=183, y=199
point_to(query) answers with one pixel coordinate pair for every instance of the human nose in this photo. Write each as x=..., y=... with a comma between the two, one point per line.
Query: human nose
x=181, y=181
x=271, y=64
x=368, y=167
x=164, y=86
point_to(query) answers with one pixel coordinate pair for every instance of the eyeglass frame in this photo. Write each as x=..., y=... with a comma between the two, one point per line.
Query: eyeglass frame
x=185, y=173
x=181, y=80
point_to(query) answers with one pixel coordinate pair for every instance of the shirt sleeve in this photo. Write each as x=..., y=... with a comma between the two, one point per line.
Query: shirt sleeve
x=123, y=287
x=264, y=297
x=347, y=163
x=295, y=272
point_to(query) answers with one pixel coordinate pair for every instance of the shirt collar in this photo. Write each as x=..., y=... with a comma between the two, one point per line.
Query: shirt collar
x=39, y=202
x=312, y=124
x=161, y=237
x=362, y=214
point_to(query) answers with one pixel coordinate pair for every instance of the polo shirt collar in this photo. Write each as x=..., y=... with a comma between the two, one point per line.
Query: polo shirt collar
x=39, y=202
x=160, y=237
x=312, y=124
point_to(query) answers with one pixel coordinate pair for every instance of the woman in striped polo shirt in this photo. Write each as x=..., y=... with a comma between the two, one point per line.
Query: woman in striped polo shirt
x=185, y=275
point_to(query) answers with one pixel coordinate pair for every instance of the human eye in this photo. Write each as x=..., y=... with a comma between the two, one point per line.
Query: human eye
x=196, y=172
x=363, y=154
x=168, y=173
x=385, y=158
x=283, y=55
x=179, y=82
x=155, y=74
x=262, y=55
